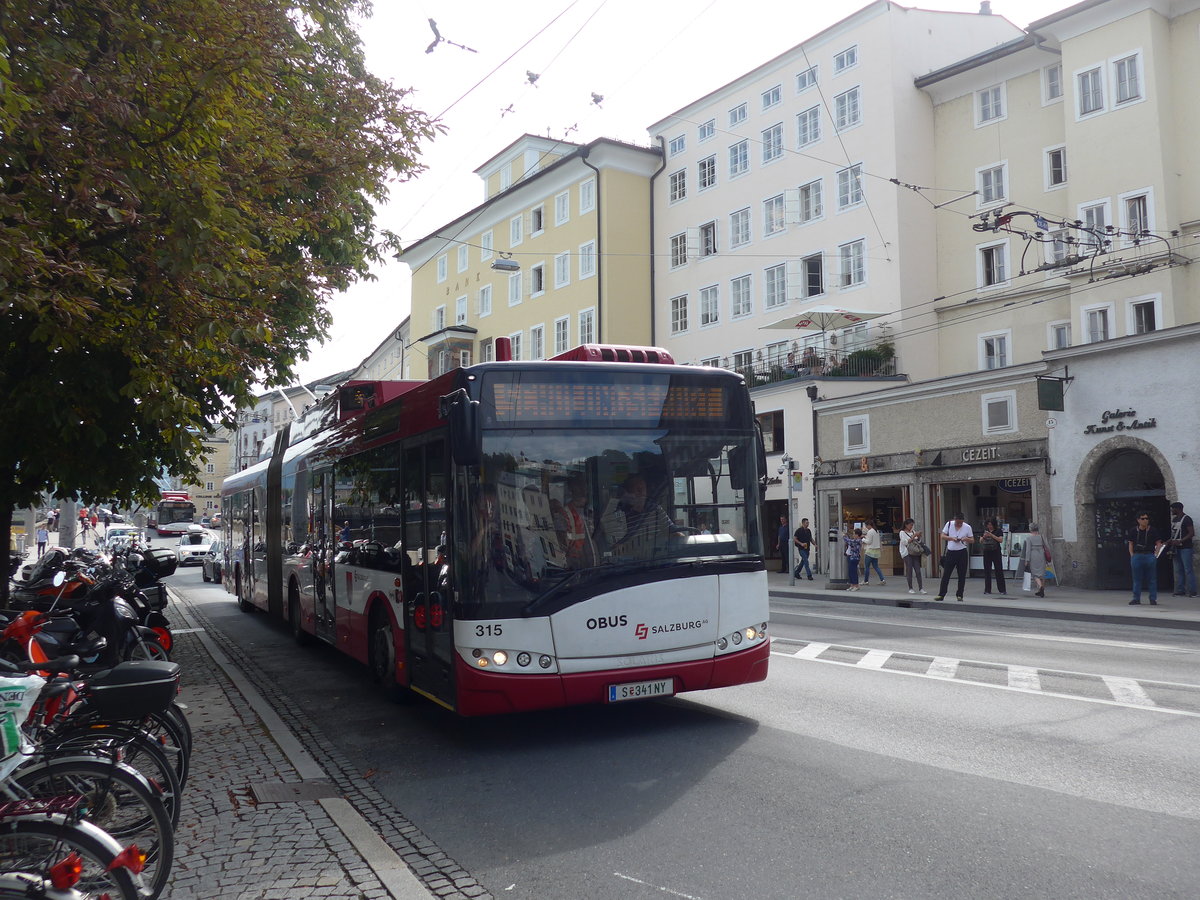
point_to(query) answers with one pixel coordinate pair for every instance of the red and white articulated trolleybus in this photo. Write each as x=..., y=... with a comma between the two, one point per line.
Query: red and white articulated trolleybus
x=518, y=535
x=173, y=513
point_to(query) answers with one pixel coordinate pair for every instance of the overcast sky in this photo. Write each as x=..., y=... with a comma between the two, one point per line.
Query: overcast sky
x=647, y=58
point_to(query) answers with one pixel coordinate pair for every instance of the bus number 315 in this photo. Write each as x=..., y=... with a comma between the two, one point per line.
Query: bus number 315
x=489, y=630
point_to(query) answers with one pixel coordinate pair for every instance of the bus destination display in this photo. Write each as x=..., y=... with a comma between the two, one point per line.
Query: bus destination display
x=634, y=403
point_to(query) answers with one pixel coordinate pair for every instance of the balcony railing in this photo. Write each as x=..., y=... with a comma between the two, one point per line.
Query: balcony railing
x=868, y=362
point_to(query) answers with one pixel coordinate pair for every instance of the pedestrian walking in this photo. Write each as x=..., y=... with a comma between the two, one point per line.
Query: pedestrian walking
x=1182, y=560
x=910, y=556
x=853, y=556
x=782, y=538
x=43, y=536
x=872, y=549
x=956, y=535
x=992, y=541
x=803, y=542
x=1034, y=557
x=1145, y=542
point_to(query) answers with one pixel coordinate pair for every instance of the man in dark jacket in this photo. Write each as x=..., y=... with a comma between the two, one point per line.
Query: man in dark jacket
x=803, y=541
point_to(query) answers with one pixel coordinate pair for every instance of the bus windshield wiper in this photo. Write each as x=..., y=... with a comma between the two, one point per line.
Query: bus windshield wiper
x=579, y=576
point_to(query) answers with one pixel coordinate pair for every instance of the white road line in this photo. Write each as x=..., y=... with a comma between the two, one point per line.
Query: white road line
x=1099, y=642
x=875, y=659
x=1024, y=677
x=1126, y=690
x=656, y=887
x=942, y=667
x=812, y=651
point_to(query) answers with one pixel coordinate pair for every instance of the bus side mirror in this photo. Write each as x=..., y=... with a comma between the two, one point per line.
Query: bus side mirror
x=737, y=465
x=462, y=414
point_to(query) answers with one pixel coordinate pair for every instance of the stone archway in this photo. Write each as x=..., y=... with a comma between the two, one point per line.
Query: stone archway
x=1119, y=476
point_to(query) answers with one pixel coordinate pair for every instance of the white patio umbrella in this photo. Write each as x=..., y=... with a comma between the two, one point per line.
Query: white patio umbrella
x=824, y=318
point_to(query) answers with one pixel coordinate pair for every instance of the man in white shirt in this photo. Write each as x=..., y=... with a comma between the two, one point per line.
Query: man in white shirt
x=956, y=535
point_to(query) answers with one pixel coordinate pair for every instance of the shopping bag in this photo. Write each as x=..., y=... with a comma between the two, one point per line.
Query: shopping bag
x=1027, y=581
x=1050, y=571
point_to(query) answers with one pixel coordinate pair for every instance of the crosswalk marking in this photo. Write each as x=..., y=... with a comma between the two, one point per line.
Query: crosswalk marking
x=943, y=667
x=875, y=659
x=811, y=651
x=1024, y=677
x=1126, y=690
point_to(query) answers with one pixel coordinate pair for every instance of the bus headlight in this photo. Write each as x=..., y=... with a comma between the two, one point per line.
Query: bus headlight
x=751, y=633
x=545, y=661
x=523, y=659
x=722, y=643
x=737, y=638
x=499, y=657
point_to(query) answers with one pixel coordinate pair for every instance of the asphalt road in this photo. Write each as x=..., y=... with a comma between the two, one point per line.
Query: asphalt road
x=889, y=754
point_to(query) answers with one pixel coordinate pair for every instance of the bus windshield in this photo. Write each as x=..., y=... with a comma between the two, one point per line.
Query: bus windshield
x=171, y=512
x=563, y=511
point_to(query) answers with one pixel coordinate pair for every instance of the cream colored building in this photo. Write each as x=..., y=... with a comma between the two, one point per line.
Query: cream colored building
x=390, y=361
x=555, y=256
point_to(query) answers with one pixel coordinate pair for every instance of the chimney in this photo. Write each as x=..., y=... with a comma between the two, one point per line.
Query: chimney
x=985, y=7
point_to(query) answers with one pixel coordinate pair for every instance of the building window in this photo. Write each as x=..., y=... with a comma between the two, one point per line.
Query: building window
x=485, y=300
x=1143, y=315
x=485, y=246
x=1057, y=248
x=1053, y=82
x=1091, y=91
x=741, y=299
x=850, y=192
x=773, y=214
x=1095, y=223
x=993, y=350
x=856, y=434
x=679, y=254
x=537, y=342
x=587, y=326
x=770, y=97
x=537, y=221
x=515, y=230
x=991, y=184
x=854, y=263
x=775, y=286
x=706, y=174
x=514, y=288
x=710, y=309
x=708, y=239
x=706, y=130
x=678, y=185
x=743, y=361
x=210, y=468
x=587, y=260
x=1060, y=335
x=679, y=314
x=562, y=270
x=463, y=252
x=587, y=196
x=806, y=79
x=999, y=412
x=811, y=207
x=993, y=265
x=443, y=268
x=516, y=339
x=771, y=424
x=439, y=318
x=562, y=335
x=562, y=208
x=460, y=311
x=847, y=59
x=1135, y=211
x=1097, y=323
x=676, y=145
x=847, y=110
x=739, y=227
x=486, y=350
x=1127, y=79
x=813, y=270
x=537, y=280
x=990, y=104
x=739, y=159
x=1056, y=167
x=808, y=126
x=772, y=143
x=737, y=115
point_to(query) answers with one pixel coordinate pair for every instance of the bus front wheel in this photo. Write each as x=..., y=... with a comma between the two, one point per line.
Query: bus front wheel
x=383, y=660
x=243, y=604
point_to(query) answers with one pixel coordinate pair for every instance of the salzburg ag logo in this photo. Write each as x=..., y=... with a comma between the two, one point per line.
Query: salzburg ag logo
x=641, y=631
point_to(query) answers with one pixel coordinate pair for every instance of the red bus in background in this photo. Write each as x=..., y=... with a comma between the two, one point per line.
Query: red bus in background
x=518, y=535
x=173, y=513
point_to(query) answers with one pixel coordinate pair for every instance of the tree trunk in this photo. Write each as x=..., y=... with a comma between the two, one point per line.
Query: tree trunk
x=6, y=518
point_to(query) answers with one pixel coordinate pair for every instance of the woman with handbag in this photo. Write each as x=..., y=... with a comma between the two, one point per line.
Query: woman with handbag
x=1035, y=557
x=912, y=550
x=992, y=540
x=853, y=556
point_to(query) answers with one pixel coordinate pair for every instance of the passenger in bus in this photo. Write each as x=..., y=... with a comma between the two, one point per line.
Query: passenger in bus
x=636, y=525
x=573, y=522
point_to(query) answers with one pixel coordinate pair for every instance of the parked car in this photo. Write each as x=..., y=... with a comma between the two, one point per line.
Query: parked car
x=210, y=564
x=117, y=535
x=193, y=545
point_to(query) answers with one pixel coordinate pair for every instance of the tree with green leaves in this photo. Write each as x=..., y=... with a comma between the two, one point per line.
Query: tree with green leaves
x=182, y=187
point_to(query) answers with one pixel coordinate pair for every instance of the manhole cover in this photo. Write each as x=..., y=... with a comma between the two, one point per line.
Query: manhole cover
x=293, y=792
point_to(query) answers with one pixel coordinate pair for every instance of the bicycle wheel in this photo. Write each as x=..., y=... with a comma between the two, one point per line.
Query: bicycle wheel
x=139, y=750
x=175, y=713
x=118, y=800
x=23, y=886
x=34, y=844
x=148, y=648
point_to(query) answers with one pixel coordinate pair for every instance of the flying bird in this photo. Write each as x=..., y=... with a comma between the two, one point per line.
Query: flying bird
x=532, y=77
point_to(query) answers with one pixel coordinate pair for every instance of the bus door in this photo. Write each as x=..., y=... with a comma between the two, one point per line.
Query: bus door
x=321, y=556
x=428, y=629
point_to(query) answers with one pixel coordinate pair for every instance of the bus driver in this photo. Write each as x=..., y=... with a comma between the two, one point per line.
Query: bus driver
x=636, y=525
